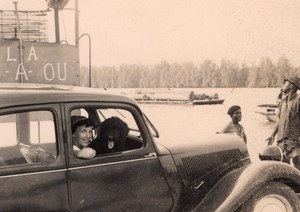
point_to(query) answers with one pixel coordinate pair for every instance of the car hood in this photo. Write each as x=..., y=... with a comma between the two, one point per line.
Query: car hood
x=202, y=161
x=204, y=144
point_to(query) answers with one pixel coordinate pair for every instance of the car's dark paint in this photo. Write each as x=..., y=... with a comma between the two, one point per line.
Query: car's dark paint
x=201, y=165
x=120, y=174
x=28, y=186
x=30, y=94
x=120, y=187
x=41, y=191
x=238, y=185
x=207, y=174
x=220, y=191
x=204, y=144
x=255, y=176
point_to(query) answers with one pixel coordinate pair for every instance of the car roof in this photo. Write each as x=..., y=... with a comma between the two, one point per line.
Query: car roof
x=13, y=94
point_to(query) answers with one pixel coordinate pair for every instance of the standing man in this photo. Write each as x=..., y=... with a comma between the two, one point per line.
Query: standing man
x=288, y=124
x=234, y=126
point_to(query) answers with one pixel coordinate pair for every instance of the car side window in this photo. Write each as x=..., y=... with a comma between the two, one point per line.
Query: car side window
x=28, y=138
x=115, y=130
x=118, y=132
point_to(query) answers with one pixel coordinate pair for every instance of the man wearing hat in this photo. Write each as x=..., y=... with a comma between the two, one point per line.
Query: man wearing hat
x=234, y=126
x=288, y=124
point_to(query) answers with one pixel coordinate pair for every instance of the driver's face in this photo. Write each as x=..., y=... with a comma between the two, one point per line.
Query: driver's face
x=83, y=135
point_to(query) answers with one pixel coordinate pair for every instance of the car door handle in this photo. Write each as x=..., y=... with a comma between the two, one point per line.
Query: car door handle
x=150, y=155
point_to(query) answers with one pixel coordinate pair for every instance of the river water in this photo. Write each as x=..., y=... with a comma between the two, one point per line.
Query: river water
x=189, y=121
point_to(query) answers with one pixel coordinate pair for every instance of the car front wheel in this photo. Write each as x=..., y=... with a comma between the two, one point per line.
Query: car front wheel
x=273, y=197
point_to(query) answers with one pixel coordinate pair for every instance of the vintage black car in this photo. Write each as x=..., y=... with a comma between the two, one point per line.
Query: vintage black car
x=39, y=171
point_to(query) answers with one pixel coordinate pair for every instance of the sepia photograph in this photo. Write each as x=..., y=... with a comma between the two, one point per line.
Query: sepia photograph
x=161, y=105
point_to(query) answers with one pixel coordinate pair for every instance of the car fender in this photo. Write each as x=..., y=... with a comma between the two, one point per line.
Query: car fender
x=238, y=185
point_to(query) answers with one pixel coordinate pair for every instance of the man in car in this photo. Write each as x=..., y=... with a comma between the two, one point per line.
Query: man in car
x=288, y=124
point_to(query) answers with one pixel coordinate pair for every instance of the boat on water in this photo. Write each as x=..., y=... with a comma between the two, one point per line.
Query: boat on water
x=179, y=101
x=270, y=111
x=162, y=101
x=193, y=99
x=204, y=99
x=208, y=101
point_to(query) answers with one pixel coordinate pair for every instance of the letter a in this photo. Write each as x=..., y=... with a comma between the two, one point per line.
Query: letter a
x=21, y=71
x=32, y=53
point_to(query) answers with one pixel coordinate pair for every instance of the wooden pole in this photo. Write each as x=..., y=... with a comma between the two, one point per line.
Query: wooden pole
x=76, y=23
x=56, y=21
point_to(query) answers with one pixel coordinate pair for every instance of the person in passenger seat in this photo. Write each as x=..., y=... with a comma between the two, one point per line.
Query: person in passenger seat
x=82, y=133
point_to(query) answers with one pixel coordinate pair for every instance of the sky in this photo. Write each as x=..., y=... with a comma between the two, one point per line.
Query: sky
x=147, y=32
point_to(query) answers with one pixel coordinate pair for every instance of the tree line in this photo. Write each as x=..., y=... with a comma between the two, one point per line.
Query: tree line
x=189, y=75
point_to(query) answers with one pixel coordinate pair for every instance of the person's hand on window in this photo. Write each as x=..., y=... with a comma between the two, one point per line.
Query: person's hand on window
x=86, y=153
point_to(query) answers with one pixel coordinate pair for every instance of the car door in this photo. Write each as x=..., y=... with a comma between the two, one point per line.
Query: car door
x=32, y=159
x=129, y=180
